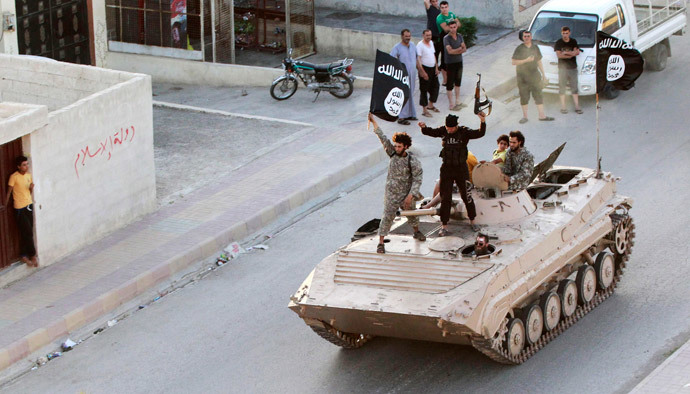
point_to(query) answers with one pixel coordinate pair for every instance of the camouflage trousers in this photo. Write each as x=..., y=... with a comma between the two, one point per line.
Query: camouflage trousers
x=391, y=203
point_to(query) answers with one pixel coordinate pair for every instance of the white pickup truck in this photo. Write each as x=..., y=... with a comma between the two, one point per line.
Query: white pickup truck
x=647, y=24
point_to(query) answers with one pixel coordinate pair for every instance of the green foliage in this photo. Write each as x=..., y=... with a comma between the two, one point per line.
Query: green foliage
x=244, y=26
x=468, y=29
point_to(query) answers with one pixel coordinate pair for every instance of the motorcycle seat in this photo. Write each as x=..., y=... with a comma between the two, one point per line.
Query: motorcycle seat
x=320, y=67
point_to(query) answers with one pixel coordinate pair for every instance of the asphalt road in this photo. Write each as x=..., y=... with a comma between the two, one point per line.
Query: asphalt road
x=232, y=331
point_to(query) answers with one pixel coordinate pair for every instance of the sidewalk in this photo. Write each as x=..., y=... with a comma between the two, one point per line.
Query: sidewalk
x=672, y=376
x=63, y=297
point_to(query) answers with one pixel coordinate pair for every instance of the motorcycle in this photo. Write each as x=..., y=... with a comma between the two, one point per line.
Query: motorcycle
x=336, y=78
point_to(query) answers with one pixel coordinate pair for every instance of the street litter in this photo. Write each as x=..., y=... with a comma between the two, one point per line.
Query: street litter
x=157, y=298
x=53, y=355
x=98, y=331
x=112, y=322
x=259, y=246
x=41, y=361
x=68, y=345
x=233, y=250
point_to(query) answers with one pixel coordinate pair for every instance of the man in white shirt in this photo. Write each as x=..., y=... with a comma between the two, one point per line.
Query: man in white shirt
x=428, y=74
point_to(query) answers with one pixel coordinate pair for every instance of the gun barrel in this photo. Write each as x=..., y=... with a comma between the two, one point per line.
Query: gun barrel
x=420, y=212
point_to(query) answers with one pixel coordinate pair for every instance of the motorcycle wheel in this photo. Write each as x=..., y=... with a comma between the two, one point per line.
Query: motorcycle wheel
x=284, y=87
x=346, y=89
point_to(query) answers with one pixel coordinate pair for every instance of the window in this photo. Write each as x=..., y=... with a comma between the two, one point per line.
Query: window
x=621, y=15
x=155, y=23
x=611, y=23
x=546, y=29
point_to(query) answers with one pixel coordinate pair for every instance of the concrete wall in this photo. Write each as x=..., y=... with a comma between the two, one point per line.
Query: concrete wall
x=43, y=81
x=93, y=161
x=503, y=13
x=168, y=70
x=353, y=43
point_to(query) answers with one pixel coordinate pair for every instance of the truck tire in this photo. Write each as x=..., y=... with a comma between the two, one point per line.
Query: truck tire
x=658, y=56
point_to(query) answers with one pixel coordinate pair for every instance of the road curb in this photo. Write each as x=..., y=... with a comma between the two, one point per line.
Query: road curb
x=640, y=388
x=121, y=294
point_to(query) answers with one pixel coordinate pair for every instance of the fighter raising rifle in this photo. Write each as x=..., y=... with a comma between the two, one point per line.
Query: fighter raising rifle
x=479, y=105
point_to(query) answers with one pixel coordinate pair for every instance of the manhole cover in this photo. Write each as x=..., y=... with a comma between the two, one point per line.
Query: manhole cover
x=343, y=15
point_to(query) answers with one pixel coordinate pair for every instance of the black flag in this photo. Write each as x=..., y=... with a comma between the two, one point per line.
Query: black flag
x=391, y=87
x=618, y=63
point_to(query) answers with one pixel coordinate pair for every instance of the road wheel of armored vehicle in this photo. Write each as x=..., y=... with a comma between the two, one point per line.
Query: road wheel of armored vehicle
x=551, y=307
x=515, y=337
x=622, y=235
x=605, y=266
x=586, y=281
x=533, y=318
x=567, y=290
x=343, y=339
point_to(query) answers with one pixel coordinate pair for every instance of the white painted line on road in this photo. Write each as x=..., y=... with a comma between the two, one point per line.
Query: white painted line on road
x=225, y=113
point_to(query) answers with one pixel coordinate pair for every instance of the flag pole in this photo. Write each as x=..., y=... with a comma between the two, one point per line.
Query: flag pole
x=598, y=175
x=596, y=46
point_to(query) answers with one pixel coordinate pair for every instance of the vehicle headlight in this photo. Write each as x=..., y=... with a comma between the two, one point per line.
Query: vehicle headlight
x=590, y=65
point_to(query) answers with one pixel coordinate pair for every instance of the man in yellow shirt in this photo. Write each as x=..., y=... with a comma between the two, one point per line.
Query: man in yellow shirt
x=21, y=186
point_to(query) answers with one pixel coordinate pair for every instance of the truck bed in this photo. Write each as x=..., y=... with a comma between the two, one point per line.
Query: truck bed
x=658, y=19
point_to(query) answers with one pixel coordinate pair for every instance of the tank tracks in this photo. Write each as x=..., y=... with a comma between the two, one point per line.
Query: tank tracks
x=493, y=347
x=339, y=338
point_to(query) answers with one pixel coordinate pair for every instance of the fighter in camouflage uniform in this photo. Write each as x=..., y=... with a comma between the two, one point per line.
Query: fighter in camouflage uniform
x=402, y=184
x=519, y=163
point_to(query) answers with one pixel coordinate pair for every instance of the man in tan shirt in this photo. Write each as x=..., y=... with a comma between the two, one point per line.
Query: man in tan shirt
x=21, y=186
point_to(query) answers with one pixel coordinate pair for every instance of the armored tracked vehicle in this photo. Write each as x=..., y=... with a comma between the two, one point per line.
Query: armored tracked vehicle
x=557, y=250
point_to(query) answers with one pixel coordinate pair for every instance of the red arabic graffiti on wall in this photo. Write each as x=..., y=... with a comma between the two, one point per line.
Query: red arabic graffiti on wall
x=106, y=147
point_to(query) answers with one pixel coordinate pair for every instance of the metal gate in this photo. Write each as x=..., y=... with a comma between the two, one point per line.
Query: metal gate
x=58, y=29
x=9, y=234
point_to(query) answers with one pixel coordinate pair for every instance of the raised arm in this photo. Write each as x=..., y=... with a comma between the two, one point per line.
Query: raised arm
x=387, y=144
x=427, y=4
x=438, y=132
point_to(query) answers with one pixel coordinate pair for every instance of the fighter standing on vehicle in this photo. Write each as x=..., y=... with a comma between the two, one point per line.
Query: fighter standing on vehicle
x=402, y=184
x=454, y=167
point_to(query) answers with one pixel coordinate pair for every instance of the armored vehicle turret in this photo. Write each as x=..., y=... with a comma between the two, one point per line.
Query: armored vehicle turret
x=557, y=250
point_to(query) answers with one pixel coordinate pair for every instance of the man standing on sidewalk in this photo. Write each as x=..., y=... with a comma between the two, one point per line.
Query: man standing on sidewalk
x=406, y=52
x=454, y=166
x=527, y=58
x=21, y=186
x=428, y=74
x=402, y=184
x=567, y=50
x=443, y=28
x=432, y=12
x=454, y=46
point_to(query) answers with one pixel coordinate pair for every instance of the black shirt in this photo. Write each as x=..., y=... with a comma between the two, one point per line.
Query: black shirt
x=529, y=69
x=566, y=46
x=455, y=144
x=431, y=15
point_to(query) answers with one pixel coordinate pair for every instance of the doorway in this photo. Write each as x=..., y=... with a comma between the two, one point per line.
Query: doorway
x=9, y=234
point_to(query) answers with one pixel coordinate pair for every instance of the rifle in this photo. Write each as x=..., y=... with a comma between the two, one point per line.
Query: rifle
x=480, y=105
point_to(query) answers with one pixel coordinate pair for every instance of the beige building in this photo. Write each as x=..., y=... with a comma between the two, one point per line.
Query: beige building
x=88, y=134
